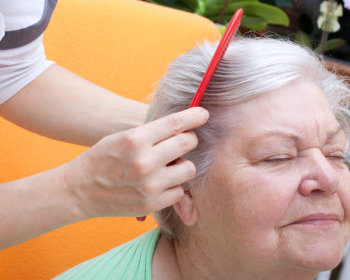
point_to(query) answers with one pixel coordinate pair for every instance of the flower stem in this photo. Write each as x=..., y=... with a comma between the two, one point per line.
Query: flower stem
x=222, y=12
x=324, y=39
x=325, y=34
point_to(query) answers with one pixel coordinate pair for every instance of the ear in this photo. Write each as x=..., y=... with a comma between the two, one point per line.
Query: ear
x=187, y=210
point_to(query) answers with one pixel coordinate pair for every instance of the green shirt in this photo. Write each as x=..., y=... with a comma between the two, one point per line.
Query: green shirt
x=130, y=261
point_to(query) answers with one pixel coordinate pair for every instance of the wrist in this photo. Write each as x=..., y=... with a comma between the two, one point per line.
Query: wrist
x=72, y=186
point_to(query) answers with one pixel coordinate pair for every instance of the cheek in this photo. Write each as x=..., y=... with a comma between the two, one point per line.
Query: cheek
x=250, y=200
x=243, y=208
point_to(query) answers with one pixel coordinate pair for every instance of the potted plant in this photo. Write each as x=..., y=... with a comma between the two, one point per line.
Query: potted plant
x=257, y=15
x=317, y=25
x=313, y=23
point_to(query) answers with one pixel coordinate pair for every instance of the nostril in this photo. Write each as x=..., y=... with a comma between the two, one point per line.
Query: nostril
x=325, y=183
x=307, y=186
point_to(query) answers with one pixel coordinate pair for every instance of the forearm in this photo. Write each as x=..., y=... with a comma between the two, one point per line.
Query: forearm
x=35, y=205
x=63, y=106
x=116, y=177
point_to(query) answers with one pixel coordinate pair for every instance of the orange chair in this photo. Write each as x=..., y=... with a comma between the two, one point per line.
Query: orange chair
x=124, y=46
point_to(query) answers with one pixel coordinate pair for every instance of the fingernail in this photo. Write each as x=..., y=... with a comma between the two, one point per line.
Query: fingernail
x=141, y=219
x=205, y=114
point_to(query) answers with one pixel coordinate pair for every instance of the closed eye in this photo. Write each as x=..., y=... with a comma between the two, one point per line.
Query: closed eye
x=278, y=158
x=337, y=158
x=336, y=154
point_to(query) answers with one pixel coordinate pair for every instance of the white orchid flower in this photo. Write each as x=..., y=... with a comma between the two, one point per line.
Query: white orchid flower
x=328, y=19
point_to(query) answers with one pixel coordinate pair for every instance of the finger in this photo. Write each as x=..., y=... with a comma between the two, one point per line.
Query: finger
x=174, y=147
x=173, y=124
x=173, y=175
x=168, y=198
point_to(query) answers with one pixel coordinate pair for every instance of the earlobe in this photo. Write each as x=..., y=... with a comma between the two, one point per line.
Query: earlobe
x=187, y=210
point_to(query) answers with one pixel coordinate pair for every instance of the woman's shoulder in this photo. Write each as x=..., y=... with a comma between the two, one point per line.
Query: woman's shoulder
x=131, y=260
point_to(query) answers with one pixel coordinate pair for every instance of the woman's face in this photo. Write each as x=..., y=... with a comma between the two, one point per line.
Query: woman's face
x=278, y=196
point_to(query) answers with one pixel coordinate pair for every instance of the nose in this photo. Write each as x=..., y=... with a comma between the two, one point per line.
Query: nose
x=318, y=174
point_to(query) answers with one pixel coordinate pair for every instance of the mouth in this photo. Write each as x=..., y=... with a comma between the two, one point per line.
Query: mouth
x=318, y=219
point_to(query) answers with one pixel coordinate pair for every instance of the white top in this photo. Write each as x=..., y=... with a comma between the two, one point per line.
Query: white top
x=20, y=65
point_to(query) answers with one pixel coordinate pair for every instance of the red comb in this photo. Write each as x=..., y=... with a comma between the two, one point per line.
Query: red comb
x=219, y=53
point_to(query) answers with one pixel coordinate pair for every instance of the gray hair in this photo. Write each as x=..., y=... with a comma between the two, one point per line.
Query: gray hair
x=250, y=67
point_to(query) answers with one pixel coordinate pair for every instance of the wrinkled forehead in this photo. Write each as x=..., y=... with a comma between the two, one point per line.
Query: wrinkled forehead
x=299, y=109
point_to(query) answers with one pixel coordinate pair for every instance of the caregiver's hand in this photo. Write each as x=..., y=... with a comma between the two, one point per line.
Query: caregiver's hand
x=124, y=174
x=127, y=174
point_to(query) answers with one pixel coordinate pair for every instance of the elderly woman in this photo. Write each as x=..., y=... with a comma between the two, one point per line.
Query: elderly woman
x=271, y=197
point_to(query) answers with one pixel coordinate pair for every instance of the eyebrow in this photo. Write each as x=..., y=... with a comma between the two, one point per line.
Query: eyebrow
x=285, y=134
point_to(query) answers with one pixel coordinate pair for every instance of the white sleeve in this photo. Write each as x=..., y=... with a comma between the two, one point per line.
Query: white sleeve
x=20, y=66
x=2, y=26
x=22, y=55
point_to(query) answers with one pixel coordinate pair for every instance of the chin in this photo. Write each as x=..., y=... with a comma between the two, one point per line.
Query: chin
x=321, y=259
x=315, y=250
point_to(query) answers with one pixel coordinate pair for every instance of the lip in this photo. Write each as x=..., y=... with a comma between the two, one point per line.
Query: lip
x=320, y=219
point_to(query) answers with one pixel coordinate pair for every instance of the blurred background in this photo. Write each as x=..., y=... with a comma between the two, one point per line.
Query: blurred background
x=321, y=25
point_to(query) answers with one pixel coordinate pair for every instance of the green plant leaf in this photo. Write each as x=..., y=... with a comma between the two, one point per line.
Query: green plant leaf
x=303, y=39
x=218, y=5
x=254, y=23
x=332, y=44
x=190, y=3
x=271, y=2
x=176, y=4
x=270, y=13
x=221, y=2
x=201, y=7
x=284, y=3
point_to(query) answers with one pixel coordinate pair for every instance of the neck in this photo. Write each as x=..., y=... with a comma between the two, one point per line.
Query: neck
x=164, y=261
x=187, y=259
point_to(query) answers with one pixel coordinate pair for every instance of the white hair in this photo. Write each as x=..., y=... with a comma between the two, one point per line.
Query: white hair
x=250, y=67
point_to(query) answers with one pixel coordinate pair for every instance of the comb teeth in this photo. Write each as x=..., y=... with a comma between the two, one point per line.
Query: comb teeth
x=218, y=55
x=225, y=48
